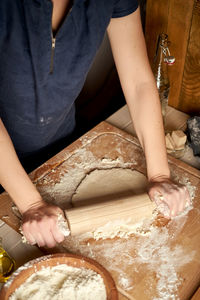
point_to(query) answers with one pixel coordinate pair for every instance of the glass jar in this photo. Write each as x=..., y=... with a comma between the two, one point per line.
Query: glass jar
x=162, y=59
x=7, y=264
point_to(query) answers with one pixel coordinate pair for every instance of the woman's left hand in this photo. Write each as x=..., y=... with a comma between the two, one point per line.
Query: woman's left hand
x=166, y=193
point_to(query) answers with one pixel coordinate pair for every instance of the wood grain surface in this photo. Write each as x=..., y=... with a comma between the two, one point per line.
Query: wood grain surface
x=156, y=23
x=180, y=19
x=94, y=215
x=196, y=296
x=179, y=24
x=189, y=99
x=138, y=264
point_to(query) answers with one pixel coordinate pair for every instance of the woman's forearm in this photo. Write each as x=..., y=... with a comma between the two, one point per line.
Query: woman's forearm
x=146, y=114
x=138, y=84
x=40, y=219
x=13, y=177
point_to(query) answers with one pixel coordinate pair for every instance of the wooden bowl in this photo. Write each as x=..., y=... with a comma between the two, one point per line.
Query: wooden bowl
x=78, y=261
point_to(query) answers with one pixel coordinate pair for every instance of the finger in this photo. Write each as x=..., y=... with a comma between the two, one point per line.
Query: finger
x=174, y=206
x=157, y=197
x=28, y=236
x=46, y=234
x=164, y=209
x=35, y=231
x=30, y=239
x=187, y=197
x=49, y=240
x=56, y=232
x=40, y=240
x=171, y=201
x=182, y=199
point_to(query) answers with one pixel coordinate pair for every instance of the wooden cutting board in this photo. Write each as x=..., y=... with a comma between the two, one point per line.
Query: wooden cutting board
x=162, y=262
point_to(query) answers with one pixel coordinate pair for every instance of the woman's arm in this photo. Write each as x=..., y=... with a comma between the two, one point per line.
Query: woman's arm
x=138, y=84
x=22, y=191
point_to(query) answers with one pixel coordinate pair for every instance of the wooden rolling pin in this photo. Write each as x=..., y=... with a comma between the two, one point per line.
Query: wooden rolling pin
x=88, y=218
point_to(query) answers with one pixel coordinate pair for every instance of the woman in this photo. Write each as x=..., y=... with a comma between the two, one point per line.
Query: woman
x=46, y=51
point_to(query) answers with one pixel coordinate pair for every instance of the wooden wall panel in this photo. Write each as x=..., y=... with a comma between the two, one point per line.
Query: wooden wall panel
x=156, y=22
x=189, y=99
x=179, y=23
x=180, y=19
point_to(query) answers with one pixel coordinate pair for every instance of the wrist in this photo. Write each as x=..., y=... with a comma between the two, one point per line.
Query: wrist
x=159, y=177
x=31, y=202
x=158, y=168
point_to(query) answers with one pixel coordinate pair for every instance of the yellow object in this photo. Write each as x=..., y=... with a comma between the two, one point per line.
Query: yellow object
x=7, y=265
x=179, y=139
x=169, y=142
x=175, y=143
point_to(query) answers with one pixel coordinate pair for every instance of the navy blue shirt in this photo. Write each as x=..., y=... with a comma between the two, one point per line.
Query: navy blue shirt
x=36, y=105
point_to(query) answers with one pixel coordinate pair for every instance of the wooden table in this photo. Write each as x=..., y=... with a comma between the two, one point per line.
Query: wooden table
x=161, y=263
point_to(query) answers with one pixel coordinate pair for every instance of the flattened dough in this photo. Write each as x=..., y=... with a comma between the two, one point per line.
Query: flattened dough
x=110, y=184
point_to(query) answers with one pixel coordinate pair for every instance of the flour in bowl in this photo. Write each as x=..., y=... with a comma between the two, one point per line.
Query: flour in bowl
x=62, y=282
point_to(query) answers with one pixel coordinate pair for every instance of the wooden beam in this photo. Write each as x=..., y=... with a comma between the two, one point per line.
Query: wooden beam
x=189, y=100
x=179, y=24
x=156, y=23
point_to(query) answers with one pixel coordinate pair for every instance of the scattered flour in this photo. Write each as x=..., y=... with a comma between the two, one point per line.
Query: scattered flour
x=79, y=165
x=124, y=229
x=149, y=250
x=153, y=254
x=63, y=225
x=62, y=282
x=185, y=181
x=165, y=260
x=118, y=228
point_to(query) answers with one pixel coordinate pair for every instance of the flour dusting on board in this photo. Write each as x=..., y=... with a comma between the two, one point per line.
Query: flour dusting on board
x=118, y=228
x=149, y=249
x=125, y=228
x=164, y=260
x=79, y=165
x=152, y=254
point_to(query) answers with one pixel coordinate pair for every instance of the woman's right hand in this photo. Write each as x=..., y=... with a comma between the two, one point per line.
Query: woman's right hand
x=40, y=225
x=40, y=220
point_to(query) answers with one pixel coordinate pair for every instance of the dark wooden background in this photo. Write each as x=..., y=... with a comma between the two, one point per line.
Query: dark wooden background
x=180, y=19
